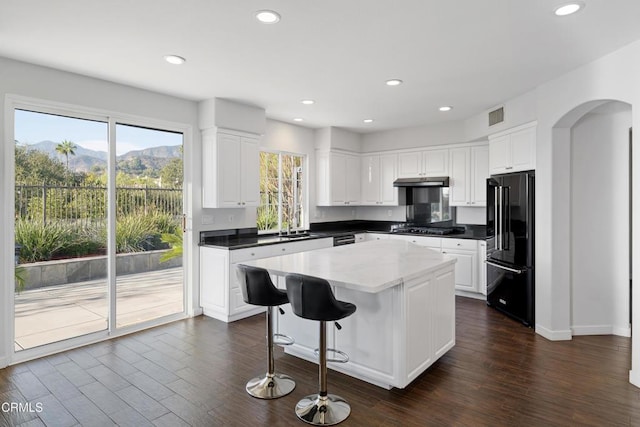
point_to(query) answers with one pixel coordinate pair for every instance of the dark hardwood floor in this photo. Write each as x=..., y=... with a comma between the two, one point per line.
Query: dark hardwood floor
x=193, y=372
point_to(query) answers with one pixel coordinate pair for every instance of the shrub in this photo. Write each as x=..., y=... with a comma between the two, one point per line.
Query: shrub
x=133, y=233
x=40, y=242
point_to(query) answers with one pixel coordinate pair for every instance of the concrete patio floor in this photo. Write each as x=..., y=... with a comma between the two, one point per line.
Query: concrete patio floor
x=60, y=312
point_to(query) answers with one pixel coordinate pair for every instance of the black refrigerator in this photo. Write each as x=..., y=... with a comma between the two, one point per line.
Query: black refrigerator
x=511, y=245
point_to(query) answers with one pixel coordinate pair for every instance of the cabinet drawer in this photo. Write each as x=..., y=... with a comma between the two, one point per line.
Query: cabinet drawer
x=301, y=246
x=465, y=244
x=239, y=255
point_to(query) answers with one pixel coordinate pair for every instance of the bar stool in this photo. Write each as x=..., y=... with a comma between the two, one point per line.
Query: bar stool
x=312, y=298
x=258, y=289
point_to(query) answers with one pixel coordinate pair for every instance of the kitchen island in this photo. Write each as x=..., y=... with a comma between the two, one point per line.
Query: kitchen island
x=405, y=298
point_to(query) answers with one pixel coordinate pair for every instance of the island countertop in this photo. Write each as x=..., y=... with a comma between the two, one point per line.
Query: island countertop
x=370, y=267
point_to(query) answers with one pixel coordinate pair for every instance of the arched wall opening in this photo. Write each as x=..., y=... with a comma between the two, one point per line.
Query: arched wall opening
x=596, y=135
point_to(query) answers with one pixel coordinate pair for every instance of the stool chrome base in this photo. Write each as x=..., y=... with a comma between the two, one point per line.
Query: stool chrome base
x=270, y=386
x=323, y=410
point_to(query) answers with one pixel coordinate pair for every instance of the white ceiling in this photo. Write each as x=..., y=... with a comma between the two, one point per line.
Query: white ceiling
x=471, y=54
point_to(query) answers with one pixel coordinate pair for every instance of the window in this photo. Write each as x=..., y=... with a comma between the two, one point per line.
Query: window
x=282, y=194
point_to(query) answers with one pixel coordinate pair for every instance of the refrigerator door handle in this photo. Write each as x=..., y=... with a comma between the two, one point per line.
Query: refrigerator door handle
x=499, y=218
x=496, y=219
x=506, y=219
x=513, y=270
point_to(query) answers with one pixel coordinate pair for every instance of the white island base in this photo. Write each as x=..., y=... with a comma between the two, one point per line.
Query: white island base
x=405, y=317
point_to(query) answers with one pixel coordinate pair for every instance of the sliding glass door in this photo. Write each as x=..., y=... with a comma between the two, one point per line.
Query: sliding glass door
x=98, y=226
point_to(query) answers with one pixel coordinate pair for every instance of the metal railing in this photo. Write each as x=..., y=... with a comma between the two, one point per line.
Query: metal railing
x=88, y=204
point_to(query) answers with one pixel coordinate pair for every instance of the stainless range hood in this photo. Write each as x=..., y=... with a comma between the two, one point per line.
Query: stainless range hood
x=423, y=181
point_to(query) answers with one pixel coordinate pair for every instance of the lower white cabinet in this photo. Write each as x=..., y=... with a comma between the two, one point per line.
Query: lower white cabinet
x=470, y=269
x=466, y=252
x=220, y=294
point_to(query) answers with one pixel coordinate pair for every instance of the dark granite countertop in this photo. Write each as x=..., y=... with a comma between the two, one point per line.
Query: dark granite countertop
x=249, y=237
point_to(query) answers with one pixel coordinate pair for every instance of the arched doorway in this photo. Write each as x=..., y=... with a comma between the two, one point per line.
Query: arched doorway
x=597, y=133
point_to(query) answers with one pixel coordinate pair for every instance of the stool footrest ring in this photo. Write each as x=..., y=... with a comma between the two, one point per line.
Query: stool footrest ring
x=281, y=339
x=339, y=356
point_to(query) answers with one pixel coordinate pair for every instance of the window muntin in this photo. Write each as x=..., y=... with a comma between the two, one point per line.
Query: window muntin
x=282, y=192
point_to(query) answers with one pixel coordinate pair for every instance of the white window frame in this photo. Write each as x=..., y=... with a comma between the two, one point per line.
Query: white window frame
x=305, y=184
x=7, y=293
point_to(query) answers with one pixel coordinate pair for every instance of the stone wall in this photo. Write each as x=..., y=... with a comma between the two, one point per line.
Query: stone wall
x=49, y=273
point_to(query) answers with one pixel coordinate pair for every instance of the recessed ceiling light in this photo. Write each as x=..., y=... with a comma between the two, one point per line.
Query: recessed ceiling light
x=308, y=101
x=368, y=120
x=297, y=119
x=569, y=8
x=394, y=82
x=175, y=59
x=267, y=16
x=446, y=108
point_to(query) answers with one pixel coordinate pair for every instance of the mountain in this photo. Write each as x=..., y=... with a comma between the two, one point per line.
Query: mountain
x=135, y=161
x=50, y=148
x=163, y=152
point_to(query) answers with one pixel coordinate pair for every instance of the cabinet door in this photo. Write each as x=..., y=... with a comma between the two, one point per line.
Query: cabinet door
x=250, y=167
x=410, y=164
x=482, y=267
x=370, y=180
x=337, y=178
x=323, y=180
x=459, y=177
x=523, y=149
x=479, y=175
x=435, y=163
x=228, y=164
x=499, y=154
x=466, y=268
x=352, y=181
x=388, y=174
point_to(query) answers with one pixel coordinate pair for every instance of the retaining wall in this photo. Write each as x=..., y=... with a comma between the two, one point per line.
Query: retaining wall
x=49, y=273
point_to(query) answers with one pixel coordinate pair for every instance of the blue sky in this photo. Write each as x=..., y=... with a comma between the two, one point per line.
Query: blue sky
x=31, y=128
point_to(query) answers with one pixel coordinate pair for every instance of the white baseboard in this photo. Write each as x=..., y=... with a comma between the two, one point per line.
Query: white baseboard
x=592, y=330
x=553, y=335
x=4, y=362
x=634, y=377
x=622, y=331
x=601, y=330
x=473, y=295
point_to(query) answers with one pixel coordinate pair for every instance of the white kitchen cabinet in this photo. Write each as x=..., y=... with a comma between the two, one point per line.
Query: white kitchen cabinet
x=378, y=174
x=466, y=270
x=338, y=179
x=469, y=273
x=468, y=172
x=513, y=150
x=360, y=237
x=423, y=163
x=220, y=294
x=230, y=170
x=482, y=267
x=427, y=241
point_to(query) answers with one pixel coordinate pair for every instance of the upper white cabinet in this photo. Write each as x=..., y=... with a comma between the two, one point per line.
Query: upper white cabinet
x=338, y=179
x=513, y=150
x=230, y=169
x=468, y=171
x=423, y=163
x=378, y=174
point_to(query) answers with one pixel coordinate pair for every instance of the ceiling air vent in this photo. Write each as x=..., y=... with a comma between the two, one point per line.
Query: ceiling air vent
x=496, y=116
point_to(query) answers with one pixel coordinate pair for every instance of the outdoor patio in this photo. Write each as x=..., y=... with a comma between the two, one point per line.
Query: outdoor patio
x=59, y=312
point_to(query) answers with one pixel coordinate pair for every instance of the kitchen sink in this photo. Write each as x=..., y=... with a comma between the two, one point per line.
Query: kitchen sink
x=295, y=236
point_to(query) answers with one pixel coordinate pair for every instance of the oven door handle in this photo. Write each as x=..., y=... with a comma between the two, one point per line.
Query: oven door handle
x=513, y=270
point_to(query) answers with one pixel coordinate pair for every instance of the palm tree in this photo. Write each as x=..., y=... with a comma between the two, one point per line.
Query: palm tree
x=65, y=148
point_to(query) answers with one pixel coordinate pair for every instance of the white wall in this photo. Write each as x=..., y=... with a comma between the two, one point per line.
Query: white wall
x=599, y=222
x=422, y=136
x=26, y=80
